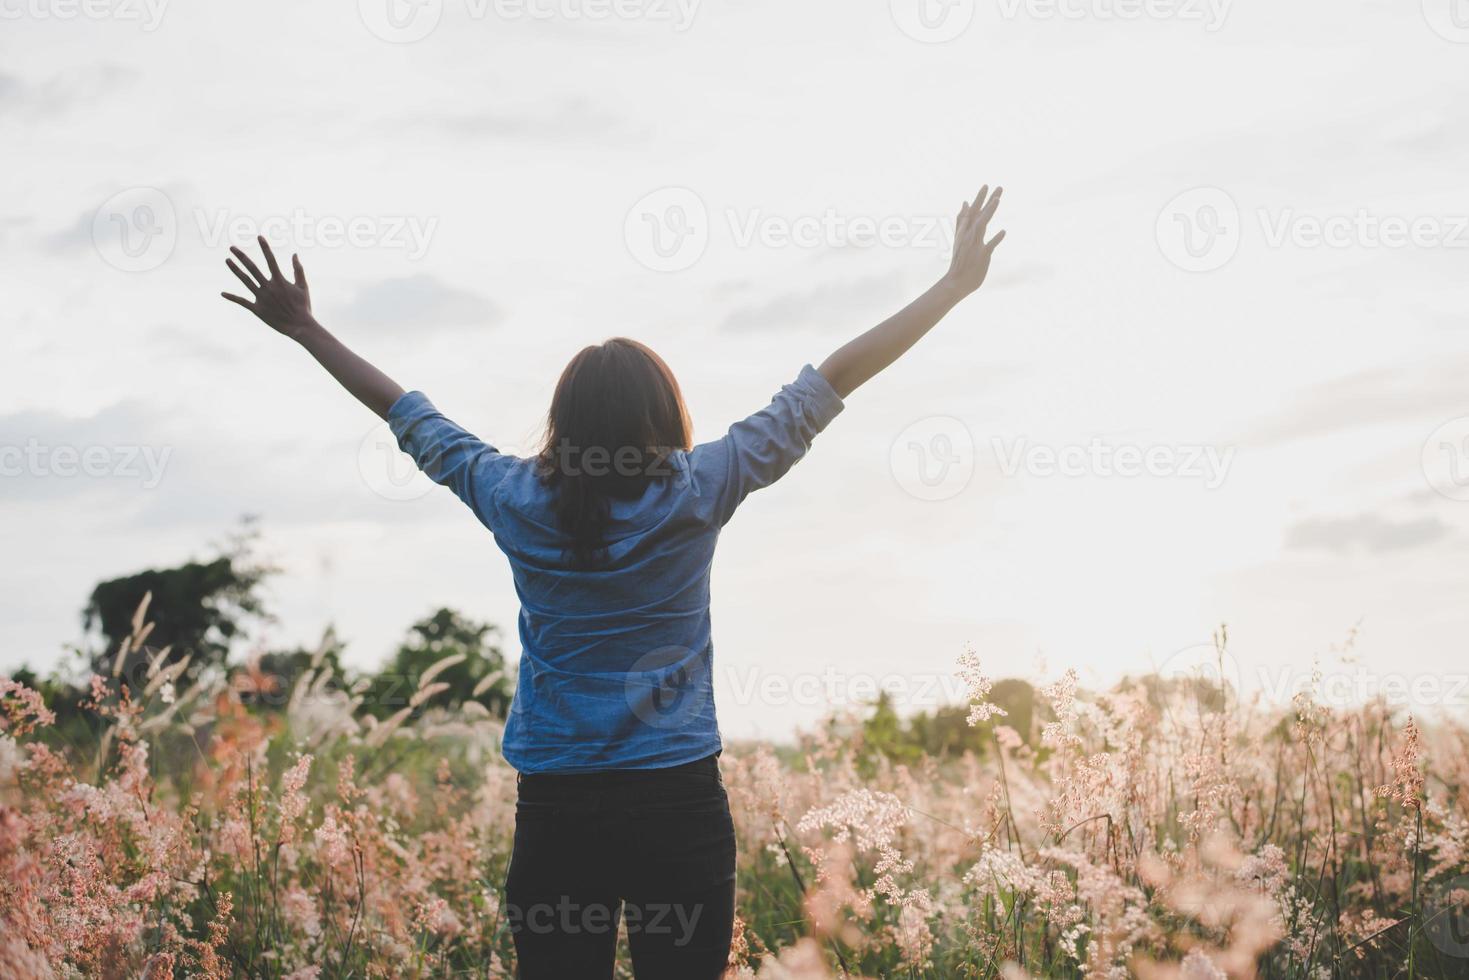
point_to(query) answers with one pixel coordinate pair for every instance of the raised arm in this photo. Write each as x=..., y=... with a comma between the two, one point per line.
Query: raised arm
x=286, y=306
x=857, y=362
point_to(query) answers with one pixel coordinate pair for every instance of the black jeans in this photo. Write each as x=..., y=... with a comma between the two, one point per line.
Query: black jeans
x=659, y=840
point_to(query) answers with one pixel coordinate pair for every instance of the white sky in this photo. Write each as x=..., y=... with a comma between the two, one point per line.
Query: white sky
x=519, y=145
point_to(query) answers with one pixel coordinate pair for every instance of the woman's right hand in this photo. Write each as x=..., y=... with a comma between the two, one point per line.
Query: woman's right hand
x=283, y=304
x=971, y=262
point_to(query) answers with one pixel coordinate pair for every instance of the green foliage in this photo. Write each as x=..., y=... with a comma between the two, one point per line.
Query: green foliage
x=273, y=674
x=946, y=732
x=202, y=608
x=446, y=633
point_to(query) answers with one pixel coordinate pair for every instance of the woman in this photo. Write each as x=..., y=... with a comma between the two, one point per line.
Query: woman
x=610, y=532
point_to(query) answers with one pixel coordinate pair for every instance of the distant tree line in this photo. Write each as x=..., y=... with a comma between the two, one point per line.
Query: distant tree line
x=200, y=616
x=946, y=733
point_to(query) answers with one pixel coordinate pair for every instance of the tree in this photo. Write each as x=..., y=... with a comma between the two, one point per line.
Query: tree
x=1017, y=697
x=445, y=634
x=198, y=609
x=946, y=732
x=883, y=733
x=268, y=679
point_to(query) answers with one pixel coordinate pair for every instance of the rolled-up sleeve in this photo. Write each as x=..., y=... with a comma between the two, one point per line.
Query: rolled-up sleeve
x=446, y=453
x=761, y=449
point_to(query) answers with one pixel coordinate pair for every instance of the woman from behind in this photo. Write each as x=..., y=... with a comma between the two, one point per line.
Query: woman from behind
x=610, y=532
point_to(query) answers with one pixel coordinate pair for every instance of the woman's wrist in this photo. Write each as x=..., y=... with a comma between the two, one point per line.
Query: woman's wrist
x=306, y=332
x=949, y=289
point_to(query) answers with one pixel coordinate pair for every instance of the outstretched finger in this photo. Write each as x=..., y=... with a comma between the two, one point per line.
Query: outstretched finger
x=239, y=299
x=300, y=272
x=248, y=263
x=989, y=246
x=993, y=202
x=982, y=222
x=275, y=270
x=250, y=284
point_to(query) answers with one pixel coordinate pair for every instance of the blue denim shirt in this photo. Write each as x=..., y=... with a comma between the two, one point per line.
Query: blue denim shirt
x=616, y=663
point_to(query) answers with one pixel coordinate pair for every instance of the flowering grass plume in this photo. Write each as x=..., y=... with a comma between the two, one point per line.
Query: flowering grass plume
x=1155, y=830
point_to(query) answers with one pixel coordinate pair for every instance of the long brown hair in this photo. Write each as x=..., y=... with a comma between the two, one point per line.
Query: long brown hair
x=616, y=416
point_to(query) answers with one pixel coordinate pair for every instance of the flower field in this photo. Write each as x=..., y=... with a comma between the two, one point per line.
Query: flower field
x=1153, y=830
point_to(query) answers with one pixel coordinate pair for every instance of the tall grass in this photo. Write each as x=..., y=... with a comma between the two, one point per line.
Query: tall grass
x=1152, y=830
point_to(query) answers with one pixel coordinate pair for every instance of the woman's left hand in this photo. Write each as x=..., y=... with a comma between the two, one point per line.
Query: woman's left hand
x=281, y=303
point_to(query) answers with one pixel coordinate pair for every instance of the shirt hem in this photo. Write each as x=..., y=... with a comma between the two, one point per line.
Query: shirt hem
x=695, y=752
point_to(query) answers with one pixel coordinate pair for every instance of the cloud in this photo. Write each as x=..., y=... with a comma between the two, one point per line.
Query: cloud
x=196, y=344
x=567, y=121
x=1366, y=532
x=1368, y=398
x=10, y=225
x=137, y=467
x=414, y=303
x=833, y=301
x=45, y=455
x=63, y=92
x=74, y=237
x=1422, y=127
x=79, y=235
